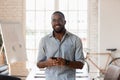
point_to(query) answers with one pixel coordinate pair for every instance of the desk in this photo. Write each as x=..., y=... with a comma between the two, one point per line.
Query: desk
x=37, y=74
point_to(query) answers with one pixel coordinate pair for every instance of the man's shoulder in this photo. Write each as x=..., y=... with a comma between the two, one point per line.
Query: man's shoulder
x=73, y=35
x=46, y=36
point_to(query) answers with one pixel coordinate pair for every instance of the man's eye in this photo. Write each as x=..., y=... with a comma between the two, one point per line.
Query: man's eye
x=59, y=20
x=54, y=20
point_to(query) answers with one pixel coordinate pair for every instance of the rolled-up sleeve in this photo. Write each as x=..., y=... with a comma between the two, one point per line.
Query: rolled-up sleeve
x=41, y=56
x=79, y=56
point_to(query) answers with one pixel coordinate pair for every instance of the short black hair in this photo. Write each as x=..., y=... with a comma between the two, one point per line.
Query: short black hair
x=58, y=12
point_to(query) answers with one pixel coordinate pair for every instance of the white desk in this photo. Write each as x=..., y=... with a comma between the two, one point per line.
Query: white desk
x=36, y=74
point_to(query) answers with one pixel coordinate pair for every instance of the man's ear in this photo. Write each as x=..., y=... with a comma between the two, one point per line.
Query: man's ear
x=65, y=22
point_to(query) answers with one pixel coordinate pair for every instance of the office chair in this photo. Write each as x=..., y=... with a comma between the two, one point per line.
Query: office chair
x=6, y=77
x=113, y=73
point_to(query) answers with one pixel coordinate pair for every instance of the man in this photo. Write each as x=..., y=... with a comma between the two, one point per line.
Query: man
x=60, y=52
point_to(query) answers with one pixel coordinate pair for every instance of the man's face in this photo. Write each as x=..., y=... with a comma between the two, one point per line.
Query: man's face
x=58, y=22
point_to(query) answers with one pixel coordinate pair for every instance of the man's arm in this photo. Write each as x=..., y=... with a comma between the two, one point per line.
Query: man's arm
x=60, y=62
x=42, y=64
x=75, y=64
x=71, y=64
x=48, y=63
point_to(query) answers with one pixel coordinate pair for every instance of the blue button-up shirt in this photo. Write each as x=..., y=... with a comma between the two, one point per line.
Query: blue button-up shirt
x=69, y=48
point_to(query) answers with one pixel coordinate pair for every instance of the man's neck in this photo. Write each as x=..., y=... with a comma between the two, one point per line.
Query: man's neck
x=60, y=35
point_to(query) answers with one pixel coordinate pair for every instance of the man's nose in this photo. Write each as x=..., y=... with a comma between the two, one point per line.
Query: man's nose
x=57, y=21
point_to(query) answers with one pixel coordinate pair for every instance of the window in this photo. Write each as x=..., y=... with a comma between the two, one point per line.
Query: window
x=38, y=21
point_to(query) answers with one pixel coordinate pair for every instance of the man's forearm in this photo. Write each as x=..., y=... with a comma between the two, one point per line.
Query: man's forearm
x=48, y=63
x=75, y=64
x=60, y=62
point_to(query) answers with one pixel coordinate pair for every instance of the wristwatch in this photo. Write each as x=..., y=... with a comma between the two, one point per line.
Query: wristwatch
x=67, y=62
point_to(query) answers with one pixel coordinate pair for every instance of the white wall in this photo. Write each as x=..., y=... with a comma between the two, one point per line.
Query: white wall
x=109, y=24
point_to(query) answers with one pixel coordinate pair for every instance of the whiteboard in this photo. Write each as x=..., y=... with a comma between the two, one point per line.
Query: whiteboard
x=14, y=42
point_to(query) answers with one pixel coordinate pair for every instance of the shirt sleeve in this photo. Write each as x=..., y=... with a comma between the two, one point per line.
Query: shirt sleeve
x=79, y=56
x=41, y=51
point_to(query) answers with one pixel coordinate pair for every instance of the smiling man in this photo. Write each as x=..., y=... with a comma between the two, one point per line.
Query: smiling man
x=60, y=52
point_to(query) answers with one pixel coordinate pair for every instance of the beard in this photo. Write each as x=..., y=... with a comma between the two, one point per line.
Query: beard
x=59, y=29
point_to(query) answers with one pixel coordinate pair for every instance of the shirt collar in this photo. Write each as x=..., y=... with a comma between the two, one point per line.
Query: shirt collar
x=66, y=33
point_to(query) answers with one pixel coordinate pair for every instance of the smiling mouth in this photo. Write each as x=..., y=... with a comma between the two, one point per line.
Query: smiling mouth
x=57, y=26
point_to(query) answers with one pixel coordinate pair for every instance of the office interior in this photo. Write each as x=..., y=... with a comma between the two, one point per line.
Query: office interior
x=24, y=22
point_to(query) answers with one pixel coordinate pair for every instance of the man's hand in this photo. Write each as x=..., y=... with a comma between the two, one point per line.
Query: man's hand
x=51, y=62
x=58, y=61
x=55, y=61
x=61, y=61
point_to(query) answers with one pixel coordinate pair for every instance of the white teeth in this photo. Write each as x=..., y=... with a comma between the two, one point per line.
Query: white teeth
x=57, y=26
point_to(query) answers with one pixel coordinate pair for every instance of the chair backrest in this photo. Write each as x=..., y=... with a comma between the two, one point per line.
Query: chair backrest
x=4, y=70
x=5, y=77
x=113, y=73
